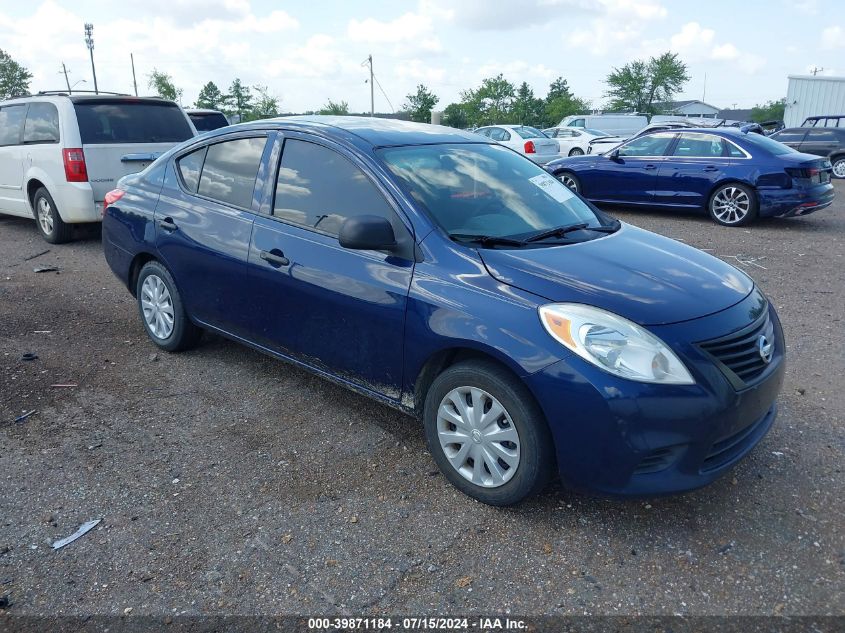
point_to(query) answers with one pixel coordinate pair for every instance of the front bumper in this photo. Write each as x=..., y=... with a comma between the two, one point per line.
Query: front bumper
x=623, y=438
x=793, y=202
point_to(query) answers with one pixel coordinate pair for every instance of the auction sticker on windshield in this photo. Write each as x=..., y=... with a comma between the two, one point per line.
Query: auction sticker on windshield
x=552, y=187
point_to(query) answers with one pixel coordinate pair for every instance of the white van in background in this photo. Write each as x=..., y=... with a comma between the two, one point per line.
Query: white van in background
x=623, y=125
x=60, y=154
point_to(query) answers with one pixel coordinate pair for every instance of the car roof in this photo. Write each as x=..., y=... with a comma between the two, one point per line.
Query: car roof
x=369, y=130
x=203, y=111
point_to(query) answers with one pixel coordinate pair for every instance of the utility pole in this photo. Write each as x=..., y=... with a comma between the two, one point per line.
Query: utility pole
x=135, y=83
x=369, y=62
x=89, y=42
x=816, y=70
x=67, y=81
x=704, y=93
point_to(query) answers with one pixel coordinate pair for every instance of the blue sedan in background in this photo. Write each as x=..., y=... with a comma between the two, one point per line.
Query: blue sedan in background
x=456, y=280
x=736, y=176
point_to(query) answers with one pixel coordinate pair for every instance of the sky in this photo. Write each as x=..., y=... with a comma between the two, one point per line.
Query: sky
x=737, y=53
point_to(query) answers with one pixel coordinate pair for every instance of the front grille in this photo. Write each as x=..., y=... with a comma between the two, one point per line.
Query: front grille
x=725, y=450
x=738, y=354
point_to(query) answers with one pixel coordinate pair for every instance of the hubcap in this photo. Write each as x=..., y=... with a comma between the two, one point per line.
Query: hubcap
x=567, y=180
x=576, y=151
x=839, y=168
x=45, y=215
x=478, y=437
x=731, y=205
x=157, y=305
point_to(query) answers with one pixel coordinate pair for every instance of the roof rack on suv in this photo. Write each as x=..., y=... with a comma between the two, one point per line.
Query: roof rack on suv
x=92, y=92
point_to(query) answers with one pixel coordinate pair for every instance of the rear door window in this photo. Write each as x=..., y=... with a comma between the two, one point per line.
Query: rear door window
x=11, y=124
x=821, y=136
x=230, y=169
x=125, y=121
x=319, y=189
x=42, y=124
x=190, y=167
x=698, y=146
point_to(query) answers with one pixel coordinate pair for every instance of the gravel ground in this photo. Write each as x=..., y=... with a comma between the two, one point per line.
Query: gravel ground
x=228, y=482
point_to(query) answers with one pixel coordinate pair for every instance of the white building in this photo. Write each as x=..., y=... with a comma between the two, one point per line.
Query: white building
x=808, y=95
x=688, y=109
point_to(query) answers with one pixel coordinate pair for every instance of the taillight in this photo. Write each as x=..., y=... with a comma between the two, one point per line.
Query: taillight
x=75, y=170
x=529, y=147
x=111, y=197
x=803, y=172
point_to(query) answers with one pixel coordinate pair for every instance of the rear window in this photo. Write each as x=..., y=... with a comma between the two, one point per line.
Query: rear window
x=529, y=132
x=206, y=122
x=131, y=122
x=11, y=123
x=768, y=144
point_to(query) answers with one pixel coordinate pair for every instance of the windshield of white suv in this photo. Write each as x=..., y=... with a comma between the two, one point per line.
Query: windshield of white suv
x=488, y=192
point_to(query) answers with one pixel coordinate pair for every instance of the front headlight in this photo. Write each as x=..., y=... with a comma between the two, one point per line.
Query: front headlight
x=614, y=344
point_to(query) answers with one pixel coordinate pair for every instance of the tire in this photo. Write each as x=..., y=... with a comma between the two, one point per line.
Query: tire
x=521, y=429
x=838, y=167
x=576, y=151
x=570, y=180
x=50, y=224
x=733, y=204
x=162, y=311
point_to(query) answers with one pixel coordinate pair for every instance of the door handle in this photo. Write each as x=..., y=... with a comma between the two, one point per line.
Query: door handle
x=650, y=167
x=275, y=258
x=167, y=224
x=711, y=168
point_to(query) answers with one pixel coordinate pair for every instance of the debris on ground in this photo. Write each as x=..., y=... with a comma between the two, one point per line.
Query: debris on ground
x=29, y=356
x=23, y=417
x=83, y=530
x=45, y=269
x=66, y=385
x=26, y=259
x=465, y=581
x=5, y=601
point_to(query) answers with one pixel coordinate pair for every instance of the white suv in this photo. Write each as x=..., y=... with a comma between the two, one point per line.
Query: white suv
x=60, y=154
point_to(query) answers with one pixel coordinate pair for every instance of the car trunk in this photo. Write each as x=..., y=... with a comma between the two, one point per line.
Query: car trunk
x=545, y=145
x=122, y=135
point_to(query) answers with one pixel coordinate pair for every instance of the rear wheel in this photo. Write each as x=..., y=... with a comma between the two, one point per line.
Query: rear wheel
x=570, y=180
x=733, y=204
x=839, y=167
x=576, y=151
x=487, y=434
x=47, y=218
x=162, y=311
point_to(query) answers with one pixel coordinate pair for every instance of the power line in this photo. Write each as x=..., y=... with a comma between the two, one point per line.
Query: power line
x=384, y=93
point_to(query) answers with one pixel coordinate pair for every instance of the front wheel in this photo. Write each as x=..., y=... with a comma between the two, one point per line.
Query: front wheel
x=487, y=434
x=733, y=204
x=576, y=151
x=162, y=311
x=839, y=167
x=49, y=222
x=570, y=180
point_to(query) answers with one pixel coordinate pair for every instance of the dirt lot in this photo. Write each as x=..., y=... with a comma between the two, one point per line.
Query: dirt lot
x=228, y=482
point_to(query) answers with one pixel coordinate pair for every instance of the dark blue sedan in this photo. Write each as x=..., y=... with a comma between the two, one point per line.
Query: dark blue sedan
x=736, y=176
x=455, y=280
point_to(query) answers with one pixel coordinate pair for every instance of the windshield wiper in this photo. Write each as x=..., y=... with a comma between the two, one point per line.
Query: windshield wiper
x=486, y=240
x=558, y=231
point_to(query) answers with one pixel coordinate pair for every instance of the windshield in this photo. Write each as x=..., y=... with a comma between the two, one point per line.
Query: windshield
x=529, y=132
x=768, y=144
x=486, y=190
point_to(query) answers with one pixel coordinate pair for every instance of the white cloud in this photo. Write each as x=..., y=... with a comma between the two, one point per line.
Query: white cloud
x=419, y=71
x=833, y=37
x=407, y=27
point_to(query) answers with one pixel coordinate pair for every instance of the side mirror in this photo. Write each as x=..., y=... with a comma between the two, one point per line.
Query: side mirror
x=367, y=233
x=614, y=155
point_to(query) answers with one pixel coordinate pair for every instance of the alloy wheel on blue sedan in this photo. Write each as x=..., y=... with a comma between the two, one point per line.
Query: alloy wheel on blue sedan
x=733, y=205
x=569, y=180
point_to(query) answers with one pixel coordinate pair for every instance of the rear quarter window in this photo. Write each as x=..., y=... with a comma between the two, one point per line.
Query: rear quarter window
x=230, y=170
x=42, y=124
x=118, y=122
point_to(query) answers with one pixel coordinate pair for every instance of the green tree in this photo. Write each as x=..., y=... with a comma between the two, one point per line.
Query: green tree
x=163, y=85
x=639, y=86
x=420, y=104
x=769, y=111
x=239, y=99
x=339, y=108
x=14, y=78
x=527, y=109
x=210, y=97
x=491, y=103
x=267, y=105
x=455, y=115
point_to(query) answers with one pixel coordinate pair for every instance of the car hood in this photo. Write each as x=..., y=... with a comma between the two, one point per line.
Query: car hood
x=642, y=276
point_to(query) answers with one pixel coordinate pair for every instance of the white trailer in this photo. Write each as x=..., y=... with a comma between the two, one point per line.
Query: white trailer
x=808, y=95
